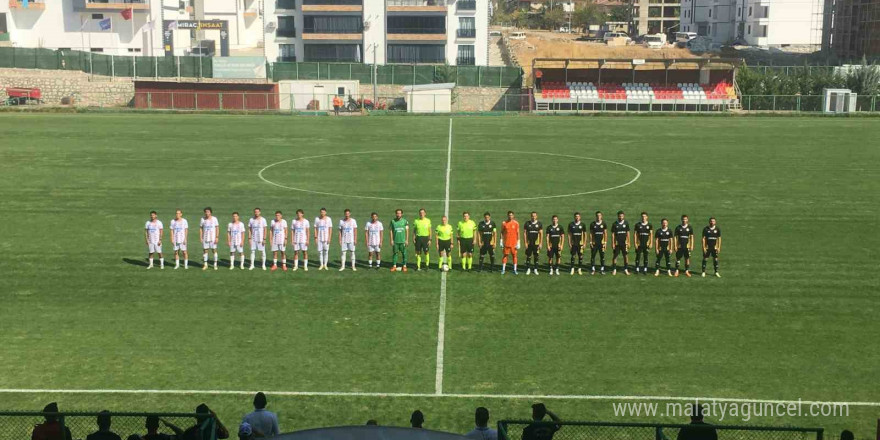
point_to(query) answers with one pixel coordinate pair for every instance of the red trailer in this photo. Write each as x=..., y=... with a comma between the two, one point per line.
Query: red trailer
x=22, y=95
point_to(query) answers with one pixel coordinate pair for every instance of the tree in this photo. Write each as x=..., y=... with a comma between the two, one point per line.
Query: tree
x=619, y=13
x=586, y=15
x=554, y=18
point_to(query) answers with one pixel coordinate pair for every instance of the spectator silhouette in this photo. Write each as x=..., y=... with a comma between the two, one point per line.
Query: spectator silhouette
x=417, y=419
x=482, y=431
x=539, y=429
x=847, y=435
x=153, y=433
x=202, y=429
x=698, y=429
x=103, y=432
x=264, y=423
x=134, y=437
x=51, y=429
x=372, y=422
x=245, y=431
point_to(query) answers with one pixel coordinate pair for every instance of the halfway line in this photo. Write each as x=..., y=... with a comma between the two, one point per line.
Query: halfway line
x=441, y=320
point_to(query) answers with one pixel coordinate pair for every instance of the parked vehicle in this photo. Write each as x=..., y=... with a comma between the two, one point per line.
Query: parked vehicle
x=518, y=36
x=682, y=38
x=354, y=105
x=565, y=30
x=612, y=35
x=494, y=33
x=656, y=41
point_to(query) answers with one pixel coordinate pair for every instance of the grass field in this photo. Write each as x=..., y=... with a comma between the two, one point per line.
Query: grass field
x=794, y=317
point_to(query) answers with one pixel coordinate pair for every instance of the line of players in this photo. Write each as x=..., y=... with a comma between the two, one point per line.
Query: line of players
x=468, y=234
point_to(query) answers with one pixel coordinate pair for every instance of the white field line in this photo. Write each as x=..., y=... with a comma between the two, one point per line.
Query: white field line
x=441, y=320
x=435, y=395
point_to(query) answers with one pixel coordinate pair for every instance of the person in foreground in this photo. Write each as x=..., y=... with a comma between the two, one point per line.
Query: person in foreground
x=698, y=429
x=201, y=430
x=263, y=422
x=103, y=432
x=539, y=429
x=482, y=431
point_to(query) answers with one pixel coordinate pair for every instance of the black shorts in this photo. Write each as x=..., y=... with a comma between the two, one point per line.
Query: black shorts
x=711, y=252
x=682, y=253
x=532, y=249
x=444, y=245
x=422, y=244
x=486, y=248
x=577, y=249
x=466, y=245
x=553, y=251
x=620, y=249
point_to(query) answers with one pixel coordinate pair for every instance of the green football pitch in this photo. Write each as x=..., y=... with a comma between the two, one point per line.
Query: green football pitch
x=795, y=315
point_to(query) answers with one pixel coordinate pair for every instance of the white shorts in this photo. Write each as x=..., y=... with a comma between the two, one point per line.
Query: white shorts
x=279, y=247
x=374, y=249
x=347, y=247
x=323, y=246
x=236, y=248
x=209, y=245
x=300, y=247
x=257, y=246
x=179, y=246
x=155, y=248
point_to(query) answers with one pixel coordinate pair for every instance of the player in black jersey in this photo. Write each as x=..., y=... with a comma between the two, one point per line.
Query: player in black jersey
x=598, y=241
x=711, y=245
x=577, y=232
x=644, y=236
x=555, y=241
x=663, y=242
x=487, y=233
x=620, y=243
x=533, y=235
x=684, y=244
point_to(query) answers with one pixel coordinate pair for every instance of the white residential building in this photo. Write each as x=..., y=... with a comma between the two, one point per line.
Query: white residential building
x=384, y=31
x=756, y=22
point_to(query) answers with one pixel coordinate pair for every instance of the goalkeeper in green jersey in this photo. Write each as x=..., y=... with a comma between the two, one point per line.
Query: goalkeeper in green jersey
x=399, y=228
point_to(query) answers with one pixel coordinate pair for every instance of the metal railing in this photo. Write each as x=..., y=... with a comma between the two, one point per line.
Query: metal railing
x=285, y=4
x=285, y=32
x=416, y=3
x=314, y=30
x=465, y=61
x=467, y=33
x=334, y=2
x=514, y=430
x=417, y=30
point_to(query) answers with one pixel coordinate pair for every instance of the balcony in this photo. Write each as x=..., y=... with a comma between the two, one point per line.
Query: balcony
x=465, y=5
x=32, y=4
x=286, y=59
x=416, y=6
x=416, y=34
x=285, y=33
x=465, y=61
x=332, y=5
x=313, y=33
x=285, y=4
x=116, y=5
x=466, y=33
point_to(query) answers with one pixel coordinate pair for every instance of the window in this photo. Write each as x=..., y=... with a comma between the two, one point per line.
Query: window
x=340, y=91
x=97, y=16
x=134, y=50
x=97, y=49
x=286, y=27
x=3, y=23
x=710, y=13
x=739, y=11
x=341, y=53
x=467, y=27
x=286, y=53
x=466, y=55
x=285, y=4
x=654, y=11
x=749, y=32
x=416, y=53
x=416, y=24
x=332, y=24
x=750, y=11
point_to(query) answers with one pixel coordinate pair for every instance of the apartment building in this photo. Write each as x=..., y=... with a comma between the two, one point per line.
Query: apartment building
x=855, y=29
x=755, y=22
x=656, y=16
x=380, y=31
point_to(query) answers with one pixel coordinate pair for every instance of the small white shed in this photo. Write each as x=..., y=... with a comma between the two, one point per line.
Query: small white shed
x=429, y=98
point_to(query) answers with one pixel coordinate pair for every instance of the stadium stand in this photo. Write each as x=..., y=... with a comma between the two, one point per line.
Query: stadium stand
x=587, y=92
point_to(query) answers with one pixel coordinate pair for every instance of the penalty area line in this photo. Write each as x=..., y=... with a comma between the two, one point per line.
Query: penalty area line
x=435, y=395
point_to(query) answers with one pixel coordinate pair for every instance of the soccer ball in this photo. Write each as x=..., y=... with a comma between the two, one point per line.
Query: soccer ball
x=445, y=268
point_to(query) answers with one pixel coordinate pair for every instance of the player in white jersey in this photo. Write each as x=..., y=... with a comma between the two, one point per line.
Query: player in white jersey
x=153, y=237
x=299, y=239
x=209, y=235
x=179, y=233
x=323, y=235
x=347, y=238
x=279, y=241
x=257, y=227
x=235, y=238
x=373, y=237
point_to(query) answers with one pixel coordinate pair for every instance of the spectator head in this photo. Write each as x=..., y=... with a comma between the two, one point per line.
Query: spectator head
x=481, y=417
x=51, y=408
x=202, y=412
x=417, y=419
x=260, y=400
x=134, y=437
x=152, y=424
x=245, y=432
x=104, y=420
x=539, y=411
x=846, y=435
x=372, y=422
x=696, y=412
